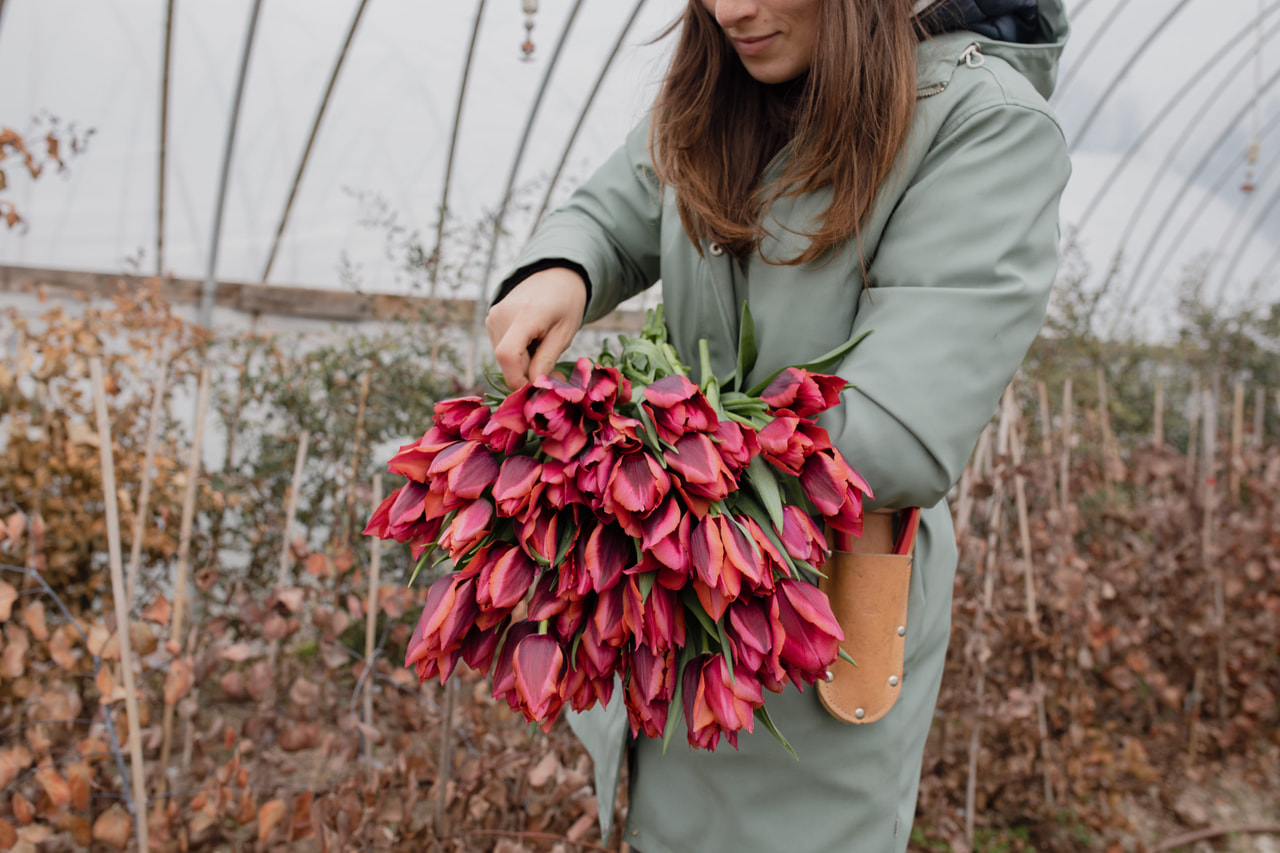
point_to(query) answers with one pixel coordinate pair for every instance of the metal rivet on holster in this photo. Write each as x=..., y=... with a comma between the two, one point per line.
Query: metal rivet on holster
x=860, y=713
x=893, y=681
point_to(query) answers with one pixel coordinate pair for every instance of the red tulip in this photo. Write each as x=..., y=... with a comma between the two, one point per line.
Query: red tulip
x=539, y=672
x=510, y=578
x=804, y=393
x=504, y=673
x=546, y=601
x=469, y=526
x=802, y=538
x=742, y=557
x=608, y=553
x=602, y=387
x=650, y=688
x=479, y=646
x=666, y=536
x=450, y=612
x=835, y=490
x=413, y=460
x=464, y=417
x=662, y=620
x=609, y=616
x=736, y=444
x=788, y=440
x=715, y=703
x=695, y=459
x=751, y=634
x=517, y=485
x=538, y=533
x=637, y=484
x=811, y=636
x=676, y=407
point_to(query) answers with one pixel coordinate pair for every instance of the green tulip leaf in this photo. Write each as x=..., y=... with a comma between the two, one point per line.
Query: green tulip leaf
x=645, y=582
x=821, y=364
x=691, y=603
x=746, y=346
x=765, y=485
x=675, y=711
x=762, y=714
x=724, y=647
x=845, y=656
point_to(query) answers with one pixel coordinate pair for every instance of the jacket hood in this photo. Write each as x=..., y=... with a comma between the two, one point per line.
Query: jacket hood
x=1027, y=34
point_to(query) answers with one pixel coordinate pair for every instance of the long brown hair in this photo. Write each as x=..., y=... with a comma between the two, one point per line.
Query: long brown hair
x=715, y=128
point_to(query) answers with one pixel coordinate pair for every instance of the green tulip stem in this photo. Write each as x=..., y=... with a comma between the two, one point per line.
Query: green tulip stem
x=543, y=626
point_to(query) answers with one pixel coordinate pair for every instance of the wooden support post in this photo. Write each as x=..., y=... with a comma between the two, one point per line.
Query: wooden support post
x=149, y=459
x=350, y=502
x=180, y=594
x=1104, y=419
x=118, y=593
x=1259, y=415
x=1046, y=420
x=371, y=621
x=1064, y=476
x=1194, y=405
x=1157, y=434
x=1237, y=444
x=964, y=507
x=1211, y=566
x=291, y=509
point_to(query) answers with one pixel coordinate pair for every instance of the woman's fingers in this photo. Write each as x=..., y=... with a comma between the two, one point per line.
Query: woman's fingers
x=535, y=323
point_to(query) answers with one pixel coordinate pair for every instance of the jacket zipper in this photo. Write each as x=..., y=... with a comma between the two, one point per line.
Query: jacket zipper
x=972, y=57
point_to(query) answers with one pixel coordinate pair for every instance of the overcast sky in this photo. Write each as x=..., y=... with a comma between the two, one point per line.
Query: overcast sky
x=386, y=133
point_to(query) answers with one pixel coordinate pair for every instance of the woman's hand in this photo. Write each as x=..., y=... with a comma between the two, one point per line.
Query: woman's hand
x=535, y=323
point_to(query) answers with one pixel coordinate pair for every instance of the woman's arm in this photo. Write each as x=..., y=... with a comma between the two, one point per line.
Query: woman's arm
x=608, y=232
x=961, y=281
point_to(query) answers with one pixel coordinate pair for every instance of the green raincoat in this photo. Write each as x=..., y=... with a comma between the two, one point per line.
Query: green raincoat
x=962, y=249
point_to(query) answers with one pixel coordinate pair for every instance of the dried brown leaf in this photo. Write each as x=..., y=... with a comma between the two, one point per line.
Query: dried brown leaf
x=269, y=816
x=158, y=611
x=292, y=598
x=299, y=736
x=113, y=827
x=33, y=618
x=178, y=680
x=13, y=761
x=8, y=595
x=13, y=663
x=61, y=647
x=8, y=835
x=238, y=653
x=57, y=789
x=260, y=680
x=80, y=781
x=232, y=684
x=23, y=811
x=304, y=693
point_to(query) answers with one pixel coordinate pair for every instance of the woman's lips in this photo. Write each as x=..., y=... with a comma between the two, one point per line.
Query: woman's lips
x=754, y=46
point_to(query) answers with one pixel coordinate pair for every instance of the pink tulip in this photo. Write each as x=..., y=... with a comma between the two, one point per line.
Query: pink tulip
x=559, y=484
x=714, y=703
x=742, y=557
x=788, y=440
x=479, y=646
x=450, y=612
x=677, y=407
x=811, y=636
x=804, y=393
x=696, y=461
x=602, y=387
x=609, y=616
x=538, y=534
x=539, y=671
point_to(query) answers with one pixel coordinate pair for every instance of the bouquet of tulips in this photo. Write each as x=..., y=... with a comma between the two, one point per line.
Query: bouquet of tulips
x=619, y=527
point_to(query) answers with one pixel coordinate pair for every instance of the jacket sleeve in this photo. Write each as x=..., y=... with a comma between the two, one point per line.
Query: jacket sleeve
x=959, y=287
x=610, y=227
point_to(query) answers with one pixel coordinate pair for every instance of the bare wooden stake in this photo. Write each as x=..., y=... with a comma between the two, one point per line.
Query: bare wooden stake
x=349, y=504
x=291, y=508
x=1237, y=444
x=964, y=507
x=1259, y=415
x=1104, y=419
x=182, y=570
x=116, y=564
x=1157, y=436
x=1046, y=420
x=1194, y=404
x=371, y=620
x=1064, y=475
x=1208, y=550
x=149, y=459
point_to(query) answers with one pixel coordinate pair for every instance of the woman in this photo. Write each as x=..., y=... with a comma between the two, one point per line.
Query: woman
x=842, y=166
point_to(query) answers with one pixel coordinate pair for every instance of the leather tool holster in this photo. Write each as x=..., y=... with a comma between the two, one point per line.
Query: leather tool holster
x=868, y=581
